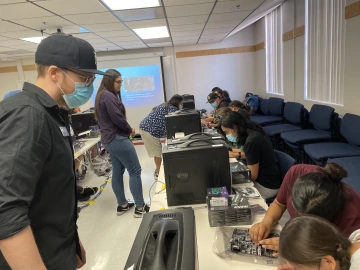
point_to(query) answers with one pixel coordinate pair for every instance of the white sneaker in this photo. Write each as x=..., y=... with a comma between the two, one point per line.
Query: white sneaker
x=156, y=175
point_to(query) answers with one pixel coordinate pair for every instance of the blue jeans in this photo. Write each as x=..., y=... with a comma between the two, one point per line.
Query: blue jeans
x=123, y=155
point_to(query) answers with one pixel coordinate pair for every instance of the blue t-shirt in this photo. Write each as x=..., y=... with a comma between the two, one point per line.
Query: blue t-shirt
x=154, y=123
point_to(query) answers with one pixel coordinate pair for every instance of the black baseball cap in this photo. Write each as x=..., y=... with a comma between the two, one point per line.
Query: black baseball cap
x=66, y=51
x=211, y=97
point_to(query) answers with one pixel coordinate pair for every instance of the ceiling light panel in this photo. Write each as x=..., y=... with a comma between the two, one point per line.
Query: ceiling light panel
x=140, y=14
x=33, y=39
x=146, y=23
x=130, y=4
x=152, y=32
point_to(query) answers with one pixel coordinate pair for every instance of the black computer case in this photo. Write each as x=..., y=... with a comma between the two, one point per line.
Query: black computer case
x=192, y=167
x=186, y=121
x=166, y=240
x=195, y=136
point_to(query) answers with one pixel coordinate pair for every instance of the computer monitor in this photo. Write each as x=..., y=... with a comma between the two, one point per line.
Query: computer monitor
x=188, y=97
x=189, y=104
x=194, y=166
x=186, y=121
x=81, y=122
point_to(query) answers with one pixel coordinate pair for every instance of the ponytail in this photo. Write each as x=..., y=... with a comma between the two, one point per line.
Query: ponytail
x=321, y=193
x=306, y=239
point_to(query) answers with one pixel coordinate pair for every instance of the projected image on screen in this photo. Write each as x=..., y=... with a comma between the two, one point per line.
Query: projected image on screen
x=141, y=86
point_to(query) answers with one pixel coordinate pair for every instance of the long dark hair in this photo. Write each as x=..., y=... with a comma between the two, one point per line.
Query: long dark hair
x=239, y=104
x=242, y=125
x=107, y=83
x=321, y=193
x=175, y=100
x=306, y=239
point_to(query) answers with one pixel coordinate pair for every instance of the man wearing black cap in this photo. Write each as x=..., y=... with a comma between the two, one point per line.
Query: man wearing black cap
x=216, y=102
x=38, y=204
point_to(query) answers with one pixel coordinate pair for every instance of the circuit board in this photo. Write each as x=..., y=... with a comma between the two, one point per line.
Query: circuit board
x=241, y=242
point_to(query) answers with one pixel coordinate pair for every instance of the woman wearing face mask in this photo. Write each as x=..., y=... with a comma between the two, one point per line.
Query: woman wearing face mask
x=115, y=131
x=152, y=128
x=258, y=151
x=312, y=243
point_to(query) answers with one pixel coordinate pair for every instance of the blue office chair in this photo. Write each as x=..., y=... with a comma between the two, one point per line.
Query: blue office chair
x=275, y=113
x=11, y=93
x=285, y=162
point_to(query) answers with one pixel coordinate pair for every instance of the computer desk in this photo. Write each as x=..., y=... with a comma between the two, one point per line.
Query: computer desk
x=205, y=234
x=90, y=142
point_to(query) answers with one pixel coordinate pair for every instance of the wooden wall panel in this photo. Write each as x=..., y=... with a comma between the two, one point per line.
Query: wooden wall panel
x=299, y=31
x=352, y=10
x=8, y=69
x=288, y=36
x=28, y=67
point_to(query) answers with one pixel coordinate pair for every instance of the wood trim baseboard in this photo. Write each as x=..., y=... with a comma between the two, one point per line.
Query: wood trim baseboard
x=8, y=69
x=28, y=67
x=260, y=46
x=288, y=35
x=299, y=31
x=352, y=10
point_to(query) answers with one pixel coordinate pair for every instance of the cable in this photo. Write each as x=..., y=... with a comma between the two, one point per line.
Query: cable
x=155, y=192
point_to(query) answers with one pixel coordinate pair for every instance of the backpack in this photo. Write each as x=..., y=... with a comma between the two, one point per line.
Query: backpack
x=252, y=101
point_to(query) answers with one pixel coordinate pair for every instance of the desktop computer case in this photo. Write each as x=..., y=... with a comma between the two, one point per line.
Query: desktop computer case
x=191, y=170
x=166, y=240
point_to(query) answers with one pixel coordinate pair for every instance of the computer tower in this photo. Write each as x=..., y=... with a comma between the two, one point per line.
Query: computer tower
x=166, y=240
x=195, y=136
x=192, y=167
x=189, y=104
x=187, y=97
x=186, y=121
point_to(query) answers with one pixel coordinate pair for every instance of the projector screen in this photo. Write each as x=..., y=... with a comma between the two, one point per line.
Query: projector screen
x=142, y=87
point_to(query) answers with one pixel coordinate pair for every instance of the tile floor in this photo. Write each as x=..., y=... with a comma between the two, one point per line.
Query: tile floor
x=106, y=237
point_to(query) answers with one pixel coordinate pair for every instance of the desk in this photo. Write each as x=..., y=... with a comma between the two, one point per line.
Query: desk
x=208, y=260
x=90, y=142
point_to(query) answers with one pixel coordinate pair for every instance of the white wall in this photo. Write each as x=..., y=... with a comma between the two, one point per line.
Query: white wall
x=294, y=60
x=232, y=72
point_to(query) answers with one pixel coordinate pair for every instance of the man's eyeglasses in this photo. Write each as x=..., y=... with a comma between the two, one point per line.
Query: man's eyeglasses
x=88, y=80
x=119, y=81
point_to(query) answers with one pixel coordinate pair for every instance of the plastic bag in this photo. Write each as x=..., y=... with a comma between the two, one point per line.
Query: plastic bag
x=222, y=248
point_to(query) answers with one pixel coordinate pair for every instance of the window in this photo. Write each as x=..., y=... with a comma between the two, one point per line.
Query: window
x=274, y=52
x=324, y=50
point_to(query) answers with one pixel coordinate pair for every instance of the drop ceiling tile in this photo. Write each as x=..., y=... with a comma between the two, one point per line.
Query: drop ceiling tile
x=204, y=40
x=185, y=42
x=140, y=14
x=187, y=27
x=120, y=39
x=130, y=42
x=185, y=2
x=218, y=30
x=189, y=10
x=214, y=36
x=10, y=27
x=214, y=25
x=105, y=49
x=2, y=37
x=38, y=23
x=22, y=11
x=187, y=20
x=123, y=33
x=26, y=46
x=104, y=27
x=23, y=34
x=146, y=23
x=92, y=18
x=96, y=40
x=185, y=38
x=229, y=6
x=157, y=40
x=185, y=33
x=230, y=16
x=86, y=36
x=164, y=44
x=6, y=2
x=129, y=47
x=13, y=42
x=68, y=7
x=104, y=45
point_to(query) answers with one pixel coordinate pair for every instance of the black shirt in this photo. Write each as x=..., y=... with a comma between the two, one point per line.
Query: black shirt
x=258, y=149
x=37, y=177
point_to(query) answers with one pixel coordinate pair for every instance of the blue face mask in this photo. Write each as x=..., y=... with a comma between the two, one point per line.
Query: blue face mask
x=80, y=96
x=181, y=107
x=231, y=138
x=214, y=104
